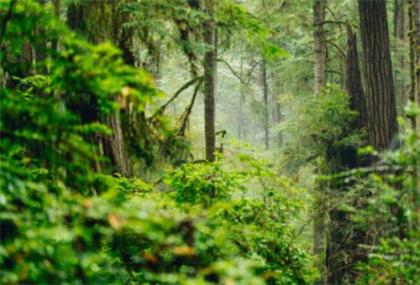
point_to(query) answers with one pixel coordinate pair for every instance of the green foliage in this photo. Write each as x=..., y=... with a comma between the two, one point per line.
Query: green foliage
x=231, y=16
x=201, y=183
x=255, y=205
x=63, y=221
x=322, y=124
x=53, y=114
x=394, y=261
x=391, y=212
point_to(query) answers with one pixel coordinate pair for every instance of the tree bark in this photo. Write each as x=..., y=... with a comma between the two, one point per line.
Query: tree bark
x=414, y=35
x=353, y=81
x=241, y=101
x=266, y=108
x=86, y=18
x=417, y=22
x=320, y=48
x=209, y=82
x=343, y=238
x=379, y=82
x=118, y=151
x=320, y=51
x=319, y=238
x=400, y=38
x=277, y=115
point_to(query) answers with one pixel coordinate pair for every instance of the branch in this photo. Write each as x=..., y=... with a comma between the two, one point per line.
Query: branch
x=232, y=70
x=337, y=48
x=335, y=71
x=334, y=22
x=335, y=18
x=177, y=93
x=187, y=112
x=251, y=70
x=331, y=12
x=222, y=133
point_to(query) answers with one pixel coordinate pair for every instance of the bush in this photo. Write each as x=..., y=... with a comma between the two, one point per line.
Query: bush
x=392, y=213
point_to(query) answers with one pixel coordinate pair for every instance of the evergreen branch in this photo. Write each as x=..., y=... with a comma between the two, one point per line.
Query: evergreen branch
x=177, y=93
x=187, y=112
x=232, y=70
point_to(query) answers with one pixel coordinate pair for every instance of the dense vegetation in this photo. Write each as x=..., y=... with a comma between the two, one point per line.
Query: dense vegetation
x=209, y=142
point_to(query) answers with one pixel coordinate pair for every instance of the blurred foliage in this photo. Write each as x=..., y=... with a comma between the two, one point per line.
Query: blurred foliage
x=392, y=213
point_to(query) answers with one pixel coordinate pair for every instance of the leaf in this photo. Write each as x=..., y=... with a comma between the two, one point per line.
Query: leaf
x=115, y=221
x=150, y=257
x=184, y=251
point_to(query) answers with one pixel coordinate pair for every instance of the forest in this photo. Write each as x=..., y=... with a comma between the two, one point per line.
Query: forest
x=210, y=142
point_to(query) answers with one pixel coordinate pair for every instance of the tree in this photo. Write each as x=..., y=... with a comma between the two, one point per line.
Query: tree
x=84, y=18
x=343, y=238
x=414, y=39
x=400, y=38
x=379, y=81
x=266, y=116
x=241, y=100
x=209, y=81
x=320, y=50
x=276, y=110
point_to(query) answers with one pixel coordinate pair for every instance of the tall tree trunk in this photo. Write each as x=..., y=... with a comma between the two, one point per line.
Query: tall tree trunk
x=353, y=81
x=209, y=82
x=379, y=82
x=320, y=48
x=320, y=51
x=118, y=151
x=381, y=121
x=414, y=39
x=399, y=19
x=266, y=108
x=241, y=101
x=342, y=241
x=400, y=37
x=417, y=20
x=319, y=235
x=277, y=115
x=85, y=18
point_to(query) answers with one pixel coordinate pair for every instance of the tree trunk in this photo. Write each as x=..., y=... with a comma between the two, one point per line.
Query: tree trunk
x=400, y=38
x=117, y=147
x=209, y=82
x=414, y=35
x=277, y=115
x=319, y=237
x=417, y=23
x=241, y=101
x=266, y=111
x=379, y=82
x=320, y=48
x=380, y=101
x=320, y=51
x=86, y=18
x=353, y=81
x=343, y=237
